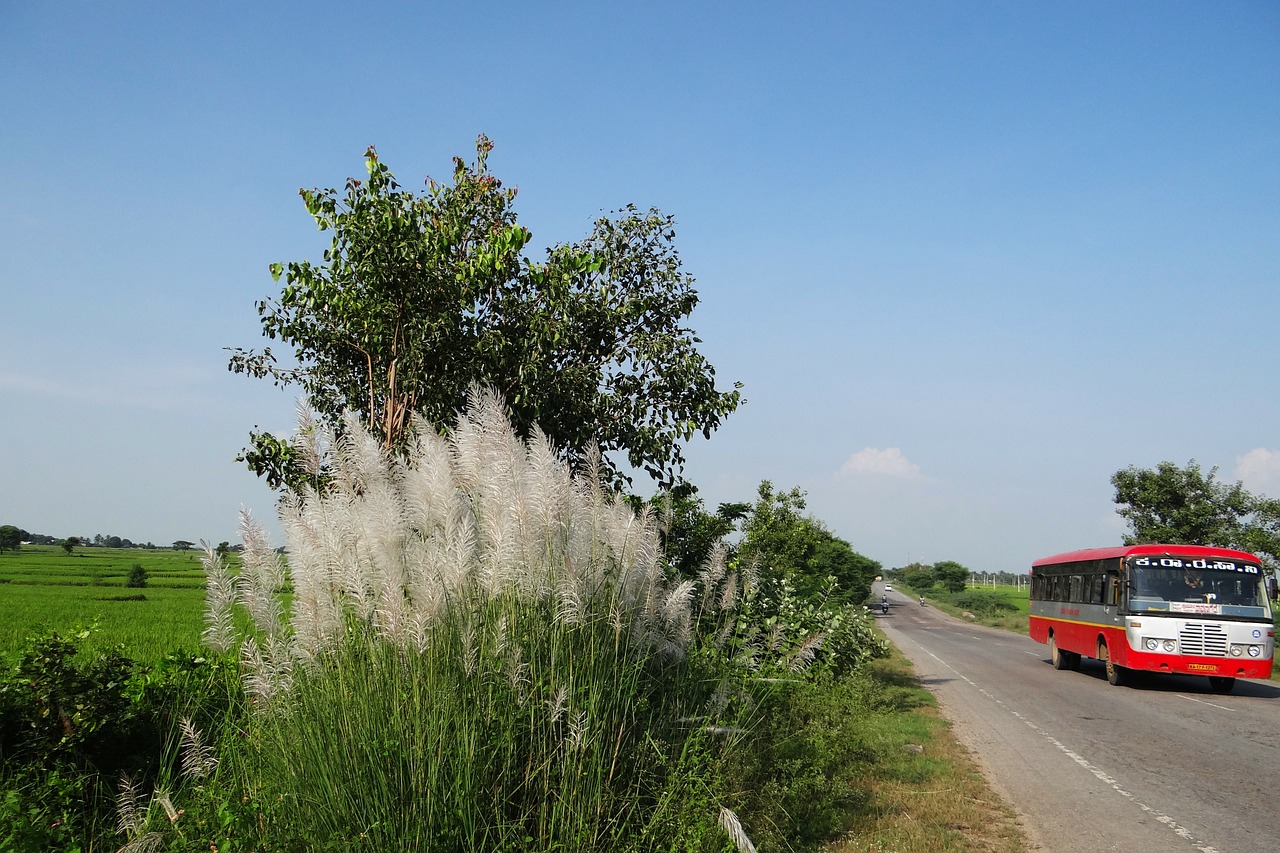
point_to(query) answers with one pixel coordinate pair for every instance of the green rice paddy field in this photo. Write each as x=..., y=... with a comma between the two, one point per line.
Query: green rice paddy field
x=42, y=589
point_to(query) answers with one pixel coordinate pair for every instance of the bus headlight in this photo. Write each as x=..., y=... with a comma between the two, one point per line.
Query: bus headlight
x=1170, y=646
x=1237, y=651
x=1152, y=644
x=1255, y=651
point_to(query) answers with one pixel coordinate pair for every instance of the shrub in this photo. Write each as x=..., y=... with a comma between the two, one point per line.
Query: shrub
x=137, y=577
x=71, y=727
x=981, y=603
x=800, y=770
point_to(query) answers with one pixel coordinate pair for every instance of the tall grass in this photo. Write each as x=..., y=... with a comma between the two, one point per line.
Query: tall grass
x=482, y=653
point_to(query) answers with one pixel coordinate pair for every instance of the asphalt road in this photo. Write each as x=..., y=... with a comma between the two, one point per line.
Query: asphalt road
x=1164, y=766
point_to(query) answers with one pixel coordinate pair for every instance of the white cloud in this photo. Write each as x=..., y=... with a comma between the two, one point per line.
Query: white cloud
x=1260, y=471
x=888, y=462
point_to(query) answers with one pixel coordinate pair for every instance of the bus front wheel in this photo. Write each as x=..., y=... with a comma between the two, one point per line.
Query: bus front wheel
x=1222, y=683
x=1116, y=675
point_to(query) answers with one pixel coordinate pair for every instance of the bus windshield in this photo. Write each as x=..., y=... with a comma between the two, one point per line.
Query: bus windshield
x=1188, y=585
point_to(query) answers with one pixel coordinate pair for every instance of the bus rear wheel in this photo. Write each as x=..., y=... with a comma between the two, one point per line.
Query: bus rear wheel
x=1057, y=657
x=1222, y=683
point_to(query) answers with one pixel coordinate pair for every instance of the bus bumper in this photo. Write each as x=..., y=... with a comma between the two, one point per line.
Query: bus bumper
x=1185, y=665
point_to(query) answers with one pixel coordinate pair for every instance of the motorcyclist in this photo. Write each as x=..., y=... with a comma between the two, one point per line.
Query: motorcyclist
x=922, y=601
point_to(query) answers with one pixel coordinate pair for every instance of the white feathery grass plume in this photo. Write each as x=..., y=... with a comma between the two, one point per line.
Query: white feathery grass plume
x=729, y=593
x=427, y=587
x=518, y=675
x=804, y=655
x=268, y=672
x=577, y=730
x=418, y=630
x=163, y=798
x=399, y=542
x=152, y=842
x=558, y=703
x=726, y=631
x=308, y=446
x=315, y=617
x=750, y=575
x=777, y=636
x=498, y=552
x=644, y=553
x=197, y=757
x=675, y=609
x=570, y=604
x=461, y=548
x=733, y=827
x=720, y=698
x=648, y=615
x=132, y=814
x=219, y=601
x=470, y=649
x=712, y=572
x=261, y=574
x=257, y=676
x=500, y=638
x=366, y=461
x=550, y=489
x=617, y=616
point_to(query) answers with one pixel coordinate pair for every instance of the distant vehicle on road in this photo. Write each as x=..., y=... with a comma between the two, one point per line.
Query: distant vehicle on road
x=888, y=587
x=1163, y=608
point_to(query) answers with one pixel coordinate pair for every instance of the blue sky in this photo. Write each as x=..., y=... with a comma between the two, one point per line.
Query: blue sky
x=967, y=259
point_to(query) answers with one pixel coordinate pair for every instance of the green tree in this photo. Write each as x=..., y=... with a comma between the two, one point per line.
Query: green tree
x=1187, y=506
x=951, y=575
x=918, y=576
x=785, y=543
x=422, y=297
x=11, y=538
x=70, y=543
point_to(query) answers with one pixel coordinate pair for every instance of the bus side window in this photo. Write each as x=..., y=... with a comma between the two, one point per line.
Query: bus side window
x=1097, y=589
x=1113, y=589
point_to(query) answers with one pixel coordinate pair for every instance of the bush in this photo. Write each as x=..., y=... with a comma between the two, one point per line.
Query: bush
x=800, y=769
x=980, y=603
x=137, y=577
x=70, y=728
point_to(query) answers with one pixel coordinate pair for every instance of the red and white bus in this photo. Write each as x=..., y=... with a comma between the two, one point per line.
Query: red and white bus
x=1162, y=608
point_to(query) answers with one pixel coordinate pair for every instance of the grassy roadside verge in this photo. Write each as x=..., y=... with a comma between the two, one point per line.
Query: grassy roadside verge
x=925, y=792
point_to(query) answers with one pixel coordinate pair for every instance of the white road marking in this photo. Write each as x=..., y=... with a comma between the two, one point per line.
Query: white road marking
x=1179, y=830
x=1210, y=704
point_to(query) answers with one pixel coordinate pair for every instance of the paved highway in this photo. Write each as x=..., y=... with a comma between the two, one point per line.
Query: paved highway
x=1164, y=766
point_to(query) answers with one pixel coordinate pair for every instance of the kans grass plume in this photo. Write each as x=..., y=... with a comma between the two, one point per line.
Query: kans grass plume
x=490, y=633
x=385, y=543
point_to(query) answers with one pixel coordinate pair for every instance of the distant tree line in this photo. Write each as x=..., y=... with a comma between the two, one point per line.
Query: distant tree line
x=12, y=538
